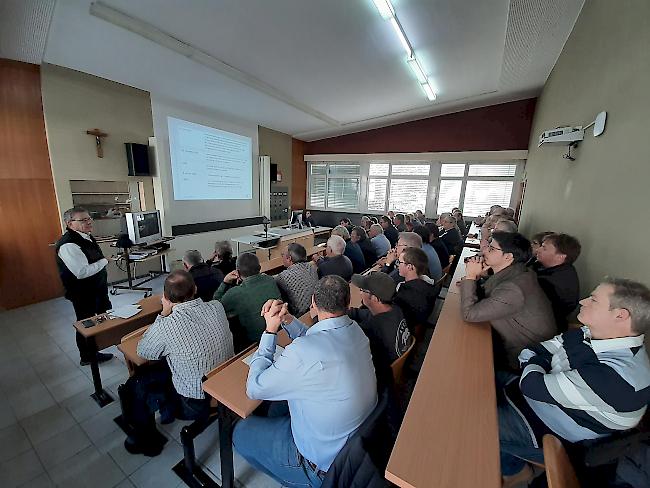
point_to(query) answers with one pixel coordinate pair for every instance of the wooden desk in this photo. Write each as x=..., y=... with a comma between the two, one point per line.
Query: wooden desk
x=129, y=347
x=460, y=270
x=449, y=436
x=109, y=333
x=228, y=387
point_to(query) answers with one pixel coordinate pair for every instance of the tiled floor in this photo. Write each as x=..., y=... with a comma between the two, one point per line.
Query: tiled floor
x=53, y=434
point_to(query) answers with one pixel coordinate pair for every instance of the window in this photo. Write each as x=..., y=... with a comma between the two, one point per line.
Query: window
x=334, y=185
x=475, y=187
x=407, y=195
x=409, y=186
x=406, y=186
x=317, y=185
x=377, y=186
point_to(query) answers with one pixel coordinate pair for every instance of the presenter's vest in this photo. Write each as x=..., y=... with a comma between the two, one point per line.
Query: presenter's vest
x=80, y=288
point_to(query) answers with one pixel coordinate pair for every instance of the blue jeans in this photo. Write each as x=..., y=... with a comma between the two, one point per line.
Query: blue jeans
x=267, y=444
x=515, y=444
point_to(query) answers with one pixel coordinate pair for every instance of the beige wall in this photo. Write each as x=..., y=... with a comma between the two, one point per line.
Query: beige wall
x=603, y=197
x=74, y=102
x=278, y=146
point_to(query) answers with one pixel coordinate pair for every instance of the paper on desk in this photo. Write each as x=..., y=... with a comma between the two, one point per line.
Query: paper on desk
x=125, y=311
x=278, y=350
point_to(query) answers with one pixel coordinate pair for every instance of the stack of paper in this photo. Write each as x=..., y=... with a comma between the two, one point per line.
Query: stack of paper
x=125, y=311
x=278, y=350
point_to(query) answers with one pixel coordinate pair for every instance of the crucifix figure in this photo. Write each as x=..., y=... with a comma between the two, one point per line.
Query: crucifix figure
x=98, y=140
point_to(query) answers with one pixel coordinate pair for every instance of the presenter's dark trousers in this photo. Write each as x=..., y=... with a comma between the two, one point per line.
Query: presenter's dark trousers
x=86, y=306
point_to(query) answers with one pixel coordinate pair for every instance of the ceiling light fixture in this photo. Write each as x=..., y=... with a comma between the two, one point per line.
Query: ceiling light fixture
x=385, y=8
x=387, y=12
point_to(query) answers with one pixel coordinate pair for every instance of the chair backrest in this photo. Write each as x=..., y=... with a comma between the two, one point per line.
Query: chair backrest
x=398, y=364
x=363, y=459
x=559, y=470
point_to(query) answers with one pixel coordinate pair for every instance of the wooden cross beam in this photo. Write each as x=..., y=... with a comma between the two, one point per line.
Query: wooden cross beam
x=98, y=140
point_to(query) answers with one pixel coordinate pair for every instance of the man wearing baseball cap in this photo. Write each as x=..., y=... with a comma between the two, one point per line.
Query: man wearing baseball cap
x=382, y=321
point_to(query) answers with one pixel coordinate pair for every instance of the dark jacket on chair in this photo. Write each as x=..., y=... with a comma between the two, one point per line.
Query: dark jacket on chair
x=362, y=461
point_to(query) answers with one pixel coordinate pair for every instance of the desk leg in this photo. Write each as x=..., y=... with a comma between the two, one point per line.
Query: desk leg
x=225, y=446
x=100, y=396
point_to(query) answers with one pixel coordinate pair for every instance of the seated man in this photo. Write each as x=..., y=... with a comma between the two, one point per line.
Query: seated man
x=334, y=262
x=558, y=278
x=191, y=337
x=435, y=266
x=416, y=295
x=308, y=220
x=378, y=240
x=535, y=243
x=242, y=293
x=514, y=303
x=460, y=222
x=297, y=282
x=437, y=244
x=382, y=322
x=206, y=278
x=347, y=223
x=390, y=231
x=505, y=225
x=400, y=222
x=450, y=234
x=352, y=249
x=584, y=384
x=328, y=379
x=406, y=240
x=222, y=257
x=419, y=215
x=365, y=223
x=360, y=237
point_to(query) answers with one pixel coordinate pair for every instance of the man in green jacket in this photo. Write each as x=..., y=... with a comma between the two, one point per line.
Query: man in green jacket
x=242, y=294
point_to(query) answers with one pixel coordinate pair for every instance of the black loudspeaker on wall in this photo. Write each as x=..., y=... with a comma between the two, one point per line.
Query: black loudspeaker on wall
x=137, y=156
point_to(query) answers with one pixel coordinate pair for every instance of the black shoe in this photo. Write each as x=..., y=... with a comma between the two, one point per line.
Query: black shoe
x=102, y=357
x=134, y=447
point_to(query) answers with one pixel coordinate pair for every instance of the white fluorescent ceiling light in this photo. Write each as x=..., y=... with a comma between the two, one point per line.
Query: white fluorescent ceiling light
x=401, y=36
x=431, y=95
x=417, y=69
x=385, y=9
x=387, y=12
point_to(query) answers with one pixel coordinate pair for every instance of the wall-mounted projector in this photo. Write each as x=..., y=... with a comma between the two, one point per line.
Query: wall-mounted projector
x=562, y=135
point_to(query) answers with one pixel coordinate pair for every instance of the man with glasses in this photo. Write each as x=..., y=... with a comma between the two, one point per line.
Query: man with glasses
x=514, y=303
x=82, y=268
x=416, y=295
x=405, y=240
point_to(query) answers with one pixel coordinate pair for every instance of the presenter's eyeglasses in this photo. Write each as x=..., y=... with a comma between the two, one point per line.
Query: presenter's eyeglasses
x=86, y=220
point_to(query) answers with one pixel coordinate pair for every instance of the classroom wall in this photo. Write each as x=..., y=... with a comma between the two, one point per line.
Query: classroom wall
x=28, y=216
x=602, y=197
x=74, y=102
x=277, y=145
x=494, y=128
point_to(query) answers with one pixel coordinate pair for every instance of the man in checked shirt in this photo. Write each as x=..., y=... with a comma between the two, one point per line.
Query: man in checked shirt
x=190, y=337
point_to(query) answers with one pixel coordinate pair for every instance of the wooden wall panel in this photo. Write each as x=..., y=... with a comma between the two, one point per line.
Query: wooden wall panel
x=29, y=216
x=298, y=174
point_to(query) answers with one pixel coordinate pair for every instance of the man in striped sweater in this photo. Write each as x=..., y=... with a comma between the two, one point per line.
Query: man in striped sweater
x=584, y=384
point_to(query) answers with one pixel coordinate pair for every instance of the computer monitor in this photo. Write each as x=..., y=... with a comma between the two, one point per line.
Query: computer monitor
x=143, y=227
x=296, y=218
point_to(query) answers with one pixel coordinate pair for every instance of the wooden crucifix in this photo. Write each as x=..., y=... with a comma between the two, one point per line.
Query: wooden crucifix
x=98, y=140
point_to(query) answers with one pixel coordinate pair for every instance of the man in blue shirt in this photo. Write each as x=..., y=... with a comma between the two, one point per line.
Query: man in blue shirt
x=327, y=377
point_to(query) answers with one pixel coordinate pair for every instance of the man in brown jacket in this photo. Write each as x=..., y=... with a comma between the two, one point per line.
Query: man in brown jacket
x=513, y=302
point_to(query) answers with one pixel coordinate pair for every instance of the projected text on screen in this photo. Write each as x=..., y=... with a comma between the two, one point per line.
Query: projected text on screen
x=209, y=164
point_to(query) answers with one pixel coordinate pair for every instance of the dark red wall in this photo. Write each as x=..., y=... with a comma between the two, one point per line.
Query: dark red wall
x=495, y=128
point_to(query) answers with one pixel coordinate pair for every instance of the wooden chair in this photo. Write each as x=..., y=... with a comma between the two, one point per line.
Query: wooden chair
x=559, y=470
x=398, y=365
